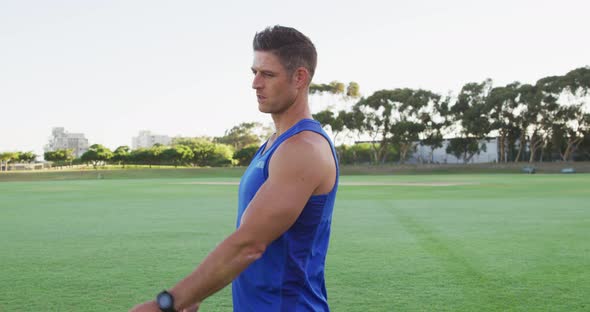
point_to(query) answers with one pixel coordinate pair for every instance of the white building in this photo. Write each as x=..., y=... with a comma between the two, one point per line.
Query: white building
x=424, y=154
x=61, y=139
x=146, y=139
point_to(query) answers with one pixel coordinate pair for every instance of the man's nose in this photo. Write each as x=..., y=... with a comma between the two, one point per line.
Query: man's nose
x=257, y=82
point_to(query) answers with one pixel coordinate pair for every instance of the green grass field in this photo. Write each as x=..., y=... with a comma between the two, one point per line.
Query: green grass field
x=441, y=243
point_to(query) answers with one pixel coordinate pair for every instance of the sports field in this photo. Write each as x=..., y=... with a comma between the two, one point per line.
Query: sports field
x=399, y=243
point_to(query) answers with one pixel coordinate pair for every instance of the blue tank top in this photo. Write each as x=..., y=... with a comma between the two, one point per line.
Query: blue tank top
x=290, y=274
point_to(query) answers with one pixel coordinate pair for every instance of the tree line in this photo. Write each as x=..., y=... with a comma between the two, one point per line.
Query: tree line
x=545, y=121
x=7, y=158
x=236, y=147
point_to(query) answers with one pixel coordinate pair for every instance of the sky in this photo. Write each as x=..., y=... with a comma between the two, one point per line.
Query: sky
x=109, y=69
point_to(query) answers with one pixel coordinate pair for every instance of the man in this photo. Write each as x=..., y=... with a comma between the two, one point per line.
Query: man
x=276, y=256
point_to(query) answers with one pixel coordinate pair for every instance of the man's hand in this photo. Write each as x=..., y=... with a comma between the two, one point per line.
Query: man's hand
x=193, y=308
x=150, y=306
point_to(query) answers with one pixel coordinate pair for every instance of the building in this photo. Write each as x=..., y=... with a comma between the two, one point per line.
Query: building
x=146, y=139
x=61, y=139
x=425, y=154
x=23, y=167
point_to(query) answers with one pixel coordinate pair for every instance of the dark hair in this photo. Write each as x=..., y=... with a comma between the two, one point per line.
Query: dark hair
x=293, y=48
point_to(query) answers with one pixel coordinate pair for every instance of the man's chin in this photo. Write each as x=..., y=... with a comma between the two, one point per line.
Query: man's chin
x=264, y=109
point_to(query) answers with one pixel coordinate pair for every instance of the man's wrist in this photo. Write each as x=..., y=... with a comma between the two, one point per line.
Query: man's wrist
x=166, y=302
x=177, y=302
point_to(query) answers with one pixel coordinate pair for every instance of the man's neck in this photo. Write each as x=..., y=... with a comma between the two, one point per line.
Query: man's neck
x=285, y=120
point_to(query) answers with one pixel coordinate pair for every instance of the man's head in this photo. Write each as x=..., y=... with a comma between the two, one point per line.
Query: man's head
x=284, y=63
x=293, y=48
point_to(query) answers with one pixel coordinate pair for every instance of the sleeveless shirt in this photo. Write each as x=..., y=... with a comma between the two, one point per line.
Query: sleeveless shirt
x=290, y=274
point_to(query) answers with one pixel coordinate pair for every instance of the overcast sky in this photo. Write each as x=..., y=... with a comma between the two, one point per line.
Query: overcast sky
x=111, y=68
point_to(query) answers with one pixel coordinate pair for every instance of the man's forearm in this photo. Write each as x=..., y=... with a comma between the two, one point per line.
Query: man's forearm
x=218, y=269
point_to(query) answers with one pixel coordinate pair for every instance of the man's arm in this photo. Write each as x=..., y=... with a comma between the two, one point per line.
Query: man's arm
x=295, y=171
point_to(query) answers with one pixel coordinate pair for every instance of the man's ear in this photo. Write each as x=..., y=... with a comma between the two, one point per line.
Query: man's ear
x=301, y=77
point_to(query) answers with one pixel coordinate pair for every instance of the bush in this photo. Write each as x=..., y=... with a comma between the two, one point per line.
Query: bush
x=355, y=154
x=222, y=155
x=245, y=155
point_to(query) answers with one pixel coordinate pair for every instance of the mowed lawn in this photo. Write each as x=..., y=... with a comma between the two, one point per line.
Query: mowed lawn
x=438, y=243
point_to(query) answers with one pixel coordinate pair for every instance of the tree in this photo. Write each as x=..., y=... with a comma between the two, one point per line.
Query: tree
x=211, y=154
x=245, y=155
x=577, y=81
x=393, y=117
x=67, y=155
x=572, y=119
x=242, y=135
x=339, y=123
x=14, y=157
x=154, y=154
x=469, y=115
x=524, y=114
x=121, y=155
x=7, y=158
x=333, y=120
x=3, y=159
x=27, y=157
x=464, y=148
x=573, y=125
x=410, y=125
x=171, y=155
x=60, y=156
x=433, y=118
x=542, y=113
x=376, y=111
x=222, y=155
x=360, y=153
x=405, y=133
x=139, y=156
x=97, y=154
x=333, y=87
x=502, y=102
x=353, y=90
x=207, y=153
x=354, y=121
x=584, y=149
x=185, y=153
x=533, y=118
x=203, y=151
x=178, y=155
x=49, y=156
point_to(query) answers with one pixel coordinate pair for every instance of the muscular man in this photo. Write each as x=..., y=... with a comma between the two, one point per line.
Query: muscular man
x=276, y=256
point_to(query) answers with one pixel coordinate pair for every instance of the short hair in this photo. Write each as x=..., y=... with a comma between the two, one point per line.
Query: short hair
x=293, y=48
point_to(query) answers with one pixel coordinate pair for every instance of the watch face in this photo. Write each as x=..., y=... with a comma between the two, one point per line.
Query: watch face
x=164, y=300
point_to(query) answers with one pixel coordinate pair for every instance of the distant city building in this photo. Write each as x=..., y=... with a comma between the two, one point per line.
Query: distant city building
x=64, y=140
x=146, y=139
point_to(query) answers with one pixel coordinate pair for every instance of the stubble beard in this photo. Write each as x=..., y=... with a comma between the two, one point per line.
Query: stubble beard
x=276, y=109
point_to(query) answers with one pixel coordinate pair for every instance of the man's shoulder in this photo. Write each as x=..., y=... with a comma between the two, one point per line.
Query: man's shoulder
x=310, y=138
x=306, y=143
x=306, y=149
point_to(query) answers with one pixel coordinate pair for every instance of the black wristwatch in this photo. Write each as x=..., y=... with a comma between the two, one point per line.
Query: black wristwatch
x=165, y=301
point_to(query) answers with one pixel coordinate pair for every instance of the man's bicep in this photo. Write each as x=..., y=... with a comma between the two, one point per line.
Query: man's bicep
x=273, y=211
x=281, y=199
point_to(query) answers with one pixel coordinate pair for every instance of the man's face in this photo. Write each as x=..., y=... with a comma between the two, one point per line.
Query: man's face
x=275, y=89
